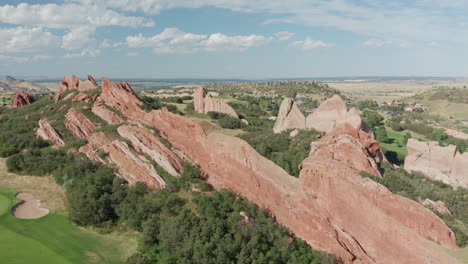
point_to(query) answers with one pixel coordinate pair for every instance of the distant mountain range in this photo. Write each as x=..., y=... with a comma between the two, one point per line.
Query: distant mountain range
x=11, y=85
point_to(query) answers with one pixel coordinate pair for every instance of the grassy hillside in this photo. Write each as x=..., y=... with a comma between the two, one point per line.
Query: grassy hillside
x=52, y=239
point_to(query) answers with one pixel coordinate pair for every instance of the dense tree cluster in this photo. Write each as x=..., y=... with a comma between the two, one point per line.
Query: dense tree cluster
x=153, y=103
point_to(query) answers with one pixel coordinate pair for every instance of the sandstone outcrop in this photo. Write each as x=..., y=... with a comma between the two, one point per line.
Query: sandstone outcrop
x=21, y=99
x=445, y=164
x=107, y=115
x=82, y=97
x=205, y=103
x=289, y=117
x=144, y=141
x=74, y=83
x=78, y=124
x=439, y=206
x=332, y=113
x=330, y=206
x=47, y=132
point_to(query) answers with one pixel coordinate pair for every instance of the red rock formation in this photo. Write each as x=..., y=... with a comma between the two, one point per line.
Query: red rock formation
x=47, y=132
x=20, y=99
x=120, y=96
x=289, y=117
x=74, y=83
x=204, y=103
x=331, y=113
x=81, y=97
x=438, y=163
x=330, y=206
x=78, y=124
x=131, y=166
x=144, y=141
x=107, y=115
x=439, y=206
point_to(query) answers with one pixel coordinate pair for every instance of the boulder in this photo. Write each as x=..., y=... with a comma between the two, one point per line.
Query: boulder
x=78, y=124
x=289, y=117
x=204, y=103
x=439, y=206
x=445, y=164
x=47, y=132
x=112, y=118
x=144, y=141
x=21, y=99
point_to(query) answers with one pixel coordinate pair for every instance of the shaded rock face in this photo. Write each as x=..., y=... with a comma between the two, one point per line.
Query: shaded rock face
x=144, y=141
x=445, y=164
x=107, y=115
x=78, y=124
x=20, y=99
x=289, y=117
x=205, y=103
x=330, y=206
x=47, y=132
x=332, y=113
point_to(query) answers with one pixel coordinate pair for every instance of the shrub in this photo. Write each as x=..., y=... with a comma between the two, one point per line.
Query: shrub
x=230, y=122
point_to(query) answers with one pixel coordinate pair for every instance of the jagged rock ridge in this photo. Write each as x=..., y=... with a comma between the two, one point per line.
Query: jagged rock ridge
x=445, y=164
x=330, y=205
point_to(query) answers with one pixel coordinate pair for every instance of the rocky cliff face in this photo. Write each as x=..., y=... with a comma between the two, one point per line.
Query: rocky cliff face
x=78, y=124
x=47, y=132
x=205, y=103
x=330, y=205
x=332, y=113
x=289, y=117
x=20, y=99
x=74, y=83
x=107, y=115
x=445, y=164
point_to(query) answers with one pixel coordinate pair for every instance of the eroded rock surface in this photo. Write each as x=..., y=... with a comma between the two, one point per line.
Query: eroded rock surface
x=74, y=83
x=144, y=141
x=289, y=117
x=107, y=115
x=445, y=164
x=78, y=124
x=21, y=99
x=332, y=113
x=205, y=103
x=47, y=132
x=439, y=206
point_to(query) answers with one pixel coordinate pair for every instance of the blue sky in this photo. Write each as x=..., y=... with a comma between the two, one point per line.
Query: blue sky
x=234, y=38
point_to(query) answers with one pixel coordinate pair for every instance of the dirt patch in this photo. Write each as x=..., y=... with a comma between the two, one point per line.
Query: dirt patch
x=44, y=188
x=28, y=208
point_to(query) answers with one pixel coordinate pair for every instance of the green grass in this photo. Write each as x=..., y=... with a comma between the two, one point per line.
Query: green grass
x=51, y=239
x=397, y=142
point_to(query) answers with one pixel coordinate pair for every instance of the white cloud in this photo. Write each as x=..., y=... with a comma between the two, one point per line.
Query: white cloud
x=23, y=59
x=310, y=44
x=284, y=35
x=173, y=40
x=88, y=52
x=380, y=42
x=24, y=39
x=78, y=37
x=67, y=16
x=419, y=20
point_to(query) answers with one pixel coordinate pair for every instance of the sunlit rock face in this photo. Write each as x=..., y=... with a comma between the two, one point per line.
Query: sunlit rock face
x=47, y=132
x=204, y=103
x=445, y=164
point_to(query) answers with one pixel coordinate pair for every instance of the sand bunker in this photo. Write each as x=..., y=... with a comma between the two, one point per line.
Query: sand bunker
x=28, y=208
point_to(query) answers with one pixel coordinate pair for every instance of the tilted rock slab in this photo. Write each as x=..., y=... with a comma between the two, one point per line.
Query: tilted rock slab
x=331, y=113
x=445, y=164
x=330, y=205
x=78, y=124
x=47, y=132
x=107, y=115
x=21, y=99
x=74, y=83
x=204, y=103
x=289, y=117
x=144, y=141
